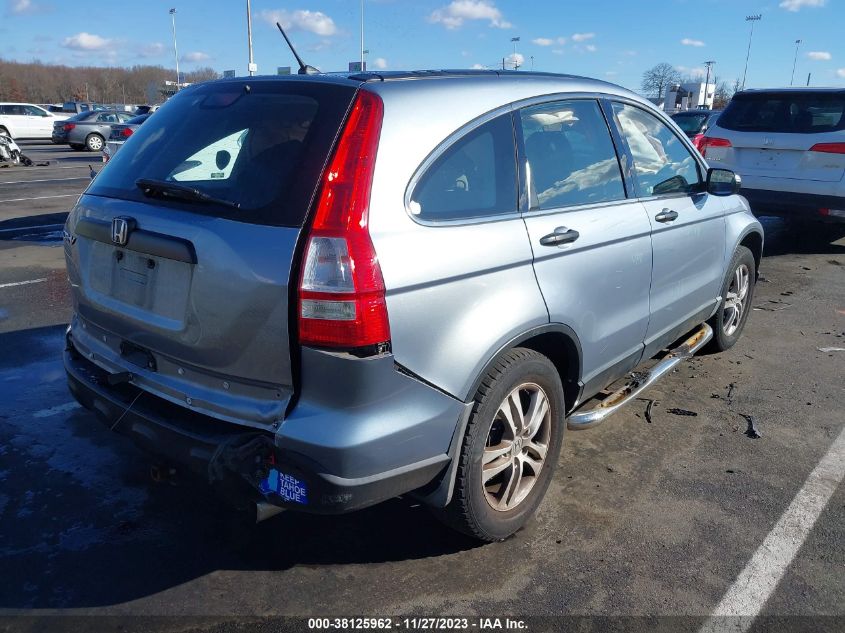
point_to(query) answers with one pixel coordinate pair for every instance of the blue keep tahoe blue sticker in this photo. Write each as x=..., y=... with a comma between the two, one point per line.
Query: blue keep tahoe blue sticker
x=286, y=486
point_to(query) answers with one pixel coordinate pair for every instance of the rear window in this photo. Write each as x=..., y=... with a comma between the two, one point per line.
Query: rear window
x=690, y=123
x=792, y=112
x=260, y=145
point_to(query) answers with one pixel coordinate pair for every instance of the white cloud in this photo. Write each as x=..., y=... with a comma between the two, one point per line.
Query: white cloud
x=841, y=73
x=557, y=51
x=153, y=49
x=694, y=73
x=688, y=41
x=478, y=67
x=380, y=63
x=591, y=48
x=514, y=59
x=582, y=37
x=797, y=5
x=86, y=42
x=453, y=15
x=820, y=56
x=194, y=57
x=20, y=7
x=548, y=41
x=301, y=20
x=611, y=73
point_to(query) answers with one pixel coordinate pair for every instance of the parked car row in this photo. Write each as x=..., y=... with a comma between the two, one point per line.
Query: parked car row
x=82, y=125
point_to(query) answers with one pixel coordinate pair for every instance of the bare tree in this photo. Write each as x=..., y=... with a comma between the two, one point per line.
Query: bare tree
x=722, y=96
x=658, y=78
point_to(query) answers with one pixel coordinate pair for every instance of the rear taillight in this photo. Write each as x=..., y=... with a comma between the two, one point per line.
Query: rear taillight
x=67, y=127
x=697, y=141
x=711, y=141
x=341, y=289
x=829, y=148
x=126, y=132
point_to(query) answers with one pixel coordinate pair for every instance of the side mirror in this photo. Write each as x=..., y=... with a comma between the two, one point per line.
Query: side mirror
x=222, y=159
x=723, y=182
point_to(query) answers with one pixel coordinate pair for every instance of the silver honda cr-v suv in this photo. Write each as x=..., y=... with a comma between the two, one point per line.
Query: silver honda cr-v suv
x=321, y=292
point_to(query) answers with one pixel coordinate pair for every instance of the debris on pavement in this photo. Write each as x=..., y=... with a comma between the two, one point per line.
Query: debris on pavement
x=648, y=409
x=751, y=431
x=831, y=349
x=681, y=412
x=781, y=305
x=731, y=389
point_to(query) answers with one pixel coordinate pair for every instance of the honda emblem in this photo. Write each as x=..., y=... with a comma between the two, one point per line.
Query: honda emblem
x=120, y=230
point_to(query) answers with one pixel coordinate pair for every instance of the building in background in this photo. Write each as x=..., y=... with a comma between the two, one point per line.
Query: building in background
x=689, y=96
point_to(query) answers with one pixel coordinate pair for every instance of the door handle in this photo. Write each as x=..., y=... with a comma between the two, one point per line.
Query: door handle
x=561, y=235
x=667, y=215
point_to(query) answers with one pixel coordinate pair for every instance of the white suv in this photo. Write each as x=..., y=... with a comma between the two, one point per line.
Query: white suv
x=788, y=145
x=25, y=120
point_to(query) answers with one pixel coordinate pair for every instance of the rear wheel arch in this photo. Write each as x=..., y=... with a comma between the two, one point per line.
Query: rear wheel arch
x=557, y=342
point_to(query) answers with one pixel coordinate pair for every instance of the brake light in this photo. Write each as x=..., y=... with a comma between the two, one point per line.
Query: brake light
x=697, y=141
x=127, y=132
x=712, y=141
x=341, y=290
x=829, y=148
x=67, y=127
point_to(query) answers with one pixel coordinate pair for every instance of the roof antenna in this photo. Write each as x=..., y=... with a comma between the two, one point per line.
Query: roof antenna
x=304, y=69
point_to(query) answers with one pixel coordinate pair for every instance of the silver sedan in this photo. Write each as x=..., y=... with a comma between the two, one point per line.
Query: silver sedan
x=88, y=130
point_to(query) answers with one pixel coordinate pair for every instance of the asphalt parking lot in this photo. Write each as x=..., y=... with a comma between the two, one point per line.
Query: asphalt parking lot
x=643, y=518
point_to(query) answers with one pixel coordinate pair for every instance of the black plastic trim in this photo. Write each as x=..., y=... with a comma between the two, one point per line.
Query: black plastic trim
x=147, y=242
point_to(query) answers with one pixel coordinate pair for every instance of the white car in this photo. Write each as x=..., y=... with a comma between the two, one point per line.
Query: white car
x=788, y=146
x=25, y=120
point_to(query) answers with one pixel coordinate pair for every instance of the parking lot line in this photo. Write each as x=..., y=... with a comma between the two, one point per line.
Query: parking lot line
x=756, y=583
x=64, y=195
x=23, y=283
x=23, y=182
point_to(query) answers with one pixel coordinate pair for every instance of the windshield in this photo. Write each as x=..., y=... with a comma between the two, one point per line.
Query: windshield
x=261, y=145
x=796, y=112
x=690, y=123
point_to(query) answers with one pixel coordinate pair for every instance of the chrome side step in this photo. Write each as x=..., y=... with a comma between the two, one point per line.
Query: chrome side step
x=615, y=401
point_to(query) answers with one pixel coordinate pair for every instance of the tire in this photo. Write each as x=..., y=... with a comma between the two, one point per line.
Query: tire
x=94, y=143
x=494, y=509
x=726, y=323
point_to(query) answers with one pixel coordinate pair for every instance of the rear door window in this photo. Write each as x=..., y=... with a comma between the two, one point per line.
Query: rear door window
x=259, y=145
x=790, y=112
x=570, y=155
x=662, y=163
x=474, y=178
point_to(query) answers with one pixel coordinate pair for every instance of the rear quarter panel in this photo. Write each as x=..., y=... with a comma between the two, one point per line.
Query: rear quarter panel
x=456, y=294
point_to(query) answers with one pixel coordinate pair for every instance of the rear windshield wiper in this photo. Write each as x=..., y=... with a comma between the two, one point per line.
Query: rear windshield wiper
x=165, y=189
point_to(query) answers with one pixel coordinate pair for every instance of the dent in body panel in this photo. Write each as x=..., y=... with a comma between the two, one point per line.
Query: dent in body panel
x=359, y=417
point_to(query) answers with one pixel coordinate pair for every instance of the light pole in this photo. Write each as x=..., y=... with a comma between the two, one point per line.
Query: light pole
x=795, y=61
x=515, y=61
x=251, y=68
x=752, y=19
x=362, y=36
x=709, y=65
x=175, y=50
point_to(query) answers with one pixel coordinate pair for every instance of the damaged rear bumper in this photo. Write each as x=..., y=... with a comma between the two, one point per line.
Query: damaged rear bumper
x=309, y=464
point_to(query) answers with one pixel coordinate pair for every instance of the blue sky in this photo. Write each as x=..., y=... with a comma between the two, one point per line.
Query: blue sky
x=610, y=39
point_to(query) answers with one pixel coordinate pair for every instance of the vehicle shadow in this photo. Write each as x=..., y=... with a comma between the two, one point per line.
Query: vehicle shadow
x=82, y=525
x=785, y=236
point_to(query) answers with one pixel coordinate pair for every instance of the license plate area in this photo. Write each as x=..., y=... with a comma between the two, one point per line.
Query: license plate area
x=150, y=288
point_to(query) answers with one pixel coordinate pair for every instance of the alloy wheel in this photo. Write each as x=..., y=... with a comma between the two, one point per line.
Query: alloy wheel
x=516, y=447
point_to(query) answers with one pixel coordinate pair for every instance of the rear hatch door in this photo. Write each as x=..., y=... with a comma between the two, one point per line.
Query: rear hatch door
x=181, y=250
x=773, y=134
